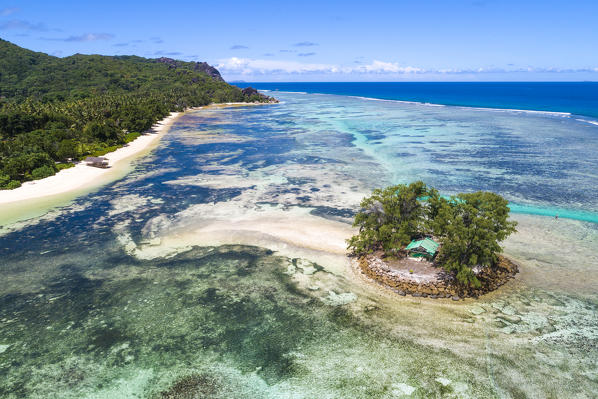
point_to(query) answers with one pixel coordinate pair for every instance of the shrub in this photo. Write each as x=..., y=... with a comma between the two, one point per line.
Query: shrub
x=390, y=217
x=471, y=227
x=42, y=172
x=66, y=149
x=12, y=184
x=4, y=179
x=131, y=136
x=62, y=166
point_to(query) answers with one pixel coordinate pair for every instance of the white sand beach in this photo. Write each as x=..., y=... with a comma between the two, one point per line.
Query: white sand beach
x=35, y=198
x=82, y=176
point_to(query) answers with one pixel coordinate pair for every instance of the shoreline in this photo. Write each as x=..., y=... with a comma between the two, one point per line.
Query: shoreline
x=436, y=286
x=35, y=198
x=81, y=176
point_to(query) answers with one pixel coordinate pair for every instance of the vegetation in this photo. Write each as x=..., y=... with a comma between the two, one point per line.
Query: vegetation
x=390, y=217
x=56, y=109
x=468, y=226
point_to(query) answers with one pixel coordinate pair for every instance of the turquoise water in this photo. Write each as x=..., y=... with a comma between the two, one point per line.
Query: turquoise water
x=217, y=268
x=576, y=98
x=584, y=216
x=544, y=164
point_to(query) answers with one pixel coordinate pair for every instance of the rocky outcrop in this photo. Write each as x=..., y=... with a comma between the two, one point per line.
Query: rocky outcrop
x=250, y=92
x=203, y=67
x=168, y=61
x=208, y=70
x=181, y=67
x=445, y=286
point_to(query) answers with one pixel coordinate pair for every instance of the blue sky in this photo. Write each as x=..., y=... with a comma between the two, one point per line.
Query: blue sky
x=451, y=40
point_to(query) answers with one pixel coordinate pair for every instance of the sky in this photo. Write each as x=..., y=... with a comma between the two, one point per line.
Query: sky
x=269, y=41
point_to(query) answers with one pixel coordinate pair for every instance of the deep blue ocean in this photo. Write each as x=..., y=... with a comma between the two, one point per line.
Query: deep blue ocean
x=576, y=98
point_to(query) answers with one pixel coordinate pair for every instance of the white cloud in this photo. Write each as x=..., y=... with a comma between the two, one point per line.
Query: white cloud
x=250, y=66
x=89, y=37
x=387, y=67
x=86, y=37
x=305, y=44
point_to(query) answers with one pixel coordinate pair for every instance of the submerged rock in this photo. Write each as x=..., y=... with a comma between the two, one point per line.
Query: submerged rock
x=291, y=269
x=403, y=389
x=193, y=386
x=334, y=299
x=443, y=381
x=477, y=310
x=308, y=268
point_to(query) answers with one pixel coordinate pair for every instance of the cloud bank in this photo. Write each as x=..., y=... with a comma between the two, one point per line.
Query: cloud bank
x=250, y=66
x=305, y=44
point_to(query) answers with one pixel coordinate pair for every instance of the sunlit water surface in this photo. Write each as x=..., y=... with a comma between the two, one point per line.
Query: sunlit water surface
x=218, y=268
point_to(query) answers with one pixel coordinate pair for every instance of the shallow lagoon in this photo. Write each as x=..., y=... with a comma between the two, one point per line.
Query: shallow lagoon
x=217, y=267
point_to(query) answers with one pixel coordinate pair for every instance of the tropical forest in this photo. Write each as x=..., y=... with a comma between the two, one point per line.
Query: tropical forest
x=54, y=111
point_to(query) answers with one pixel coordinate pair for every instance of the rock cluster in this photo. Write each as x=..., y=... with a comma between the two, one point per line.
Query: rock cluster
x=209, y=70
x=203, y=67
x=444, y=285
x=250, y=91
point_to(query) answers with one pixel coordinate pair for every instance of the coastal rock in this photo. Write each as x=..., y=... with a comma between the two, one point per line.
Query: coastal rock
x=443, y=381
x=208, y=70
x=251, y=93
x=510, y=319
x=477, y=310
x=335, y=299
x=440, y=285
x=291, y=269
x=306, y=267
x=402, y=389
x=203, y=67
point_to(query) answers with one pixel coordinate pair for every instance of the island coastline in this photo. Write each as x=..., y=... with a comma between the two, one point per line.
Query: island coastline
x=36, y=197
x=439, y=284
x=82, y=176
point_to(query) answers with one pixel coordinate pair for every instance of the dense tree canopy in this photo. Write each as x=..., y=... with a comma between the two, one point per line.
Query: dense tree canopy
x=390, y=217
x=469, y=226
x=53, y=109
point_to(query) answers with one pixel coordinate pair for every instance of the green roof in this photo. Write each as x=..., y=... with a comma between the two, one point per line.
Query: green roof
x=428, y=244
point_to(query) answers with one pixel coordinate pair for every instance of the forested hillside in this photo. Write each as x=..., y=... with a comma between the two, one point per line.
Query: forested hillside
x=55, y=109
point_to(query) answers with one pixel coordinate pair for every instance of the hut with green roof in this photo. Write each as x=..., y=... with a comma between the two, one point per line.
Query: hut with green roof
x=425, y=248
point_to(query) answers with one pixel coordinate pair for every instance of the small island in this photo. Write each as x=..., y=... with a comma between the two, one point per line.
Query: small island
x=416, y=242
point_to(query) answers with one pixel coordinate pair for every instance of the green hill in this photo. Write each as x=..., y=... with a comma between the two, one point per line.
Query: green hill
x=56, y=109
